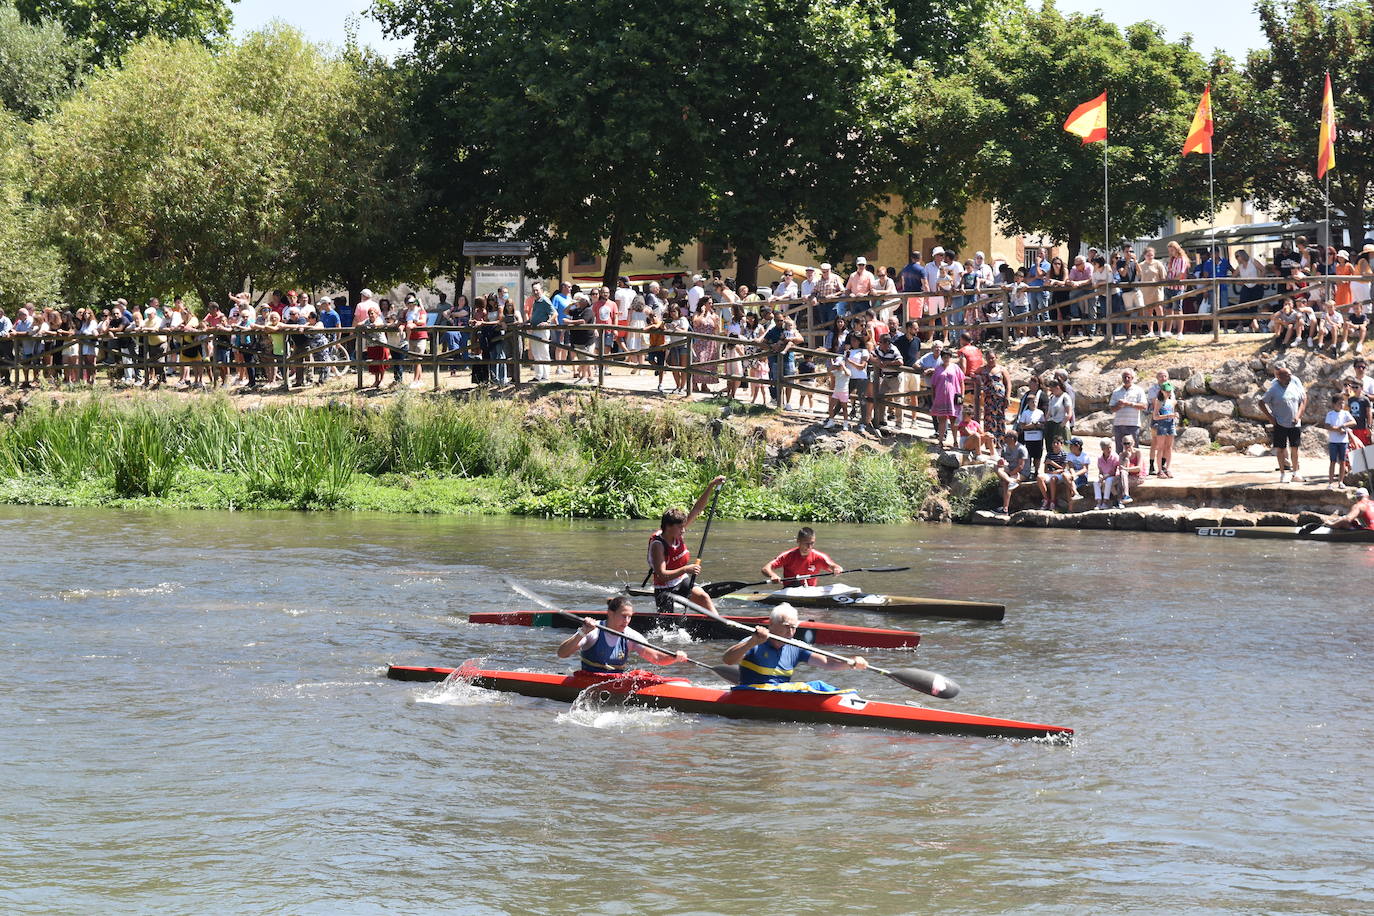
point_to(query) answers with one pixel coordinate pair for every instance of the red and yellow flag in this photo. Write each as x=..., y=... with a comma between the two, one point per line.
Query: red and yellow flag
x=1200, y=133
x=1089, y=120
x=1326, y=138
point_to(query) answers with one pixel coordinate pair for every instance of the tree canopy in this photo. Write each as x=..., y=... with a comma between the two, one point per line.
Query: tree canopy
x=39, y=63
x=111, y=27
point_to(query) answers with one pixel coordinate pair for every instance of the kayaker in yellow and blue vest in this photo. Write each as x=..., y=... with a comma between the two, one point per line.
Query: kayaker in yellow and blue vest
x=766, y=664
x=606, y=653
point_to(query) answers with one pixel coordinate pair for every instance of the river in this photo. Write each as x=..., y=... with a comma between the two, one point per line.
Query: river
x=196, y=718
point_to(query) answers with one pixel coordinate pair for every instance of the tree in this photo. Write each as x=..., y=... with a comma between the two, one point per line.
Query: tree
x=1282, y=107
x=1033, y=68
x=39, y=64
x=29, y=269
x=569, y=121
x=111, y=27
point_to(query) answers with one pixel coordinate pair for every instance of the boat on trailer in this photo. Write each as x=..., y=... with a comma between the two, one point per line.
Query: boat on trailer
x=642, y=688
x=699, y=626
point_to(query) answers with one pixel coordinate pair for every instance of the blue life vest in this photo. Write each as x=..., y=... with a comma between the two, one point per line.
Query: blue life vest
x=770, y=664
x=606, y=653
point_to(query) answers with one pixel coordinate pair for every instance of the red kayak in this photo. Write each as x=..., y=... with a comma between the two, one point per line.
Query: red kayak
x=699, y=626
x=641, y=688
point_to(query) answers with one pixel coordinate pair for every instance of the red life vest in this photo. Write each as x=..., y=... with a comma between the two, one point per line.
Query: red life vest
x=675, y=556
x=1366, y=516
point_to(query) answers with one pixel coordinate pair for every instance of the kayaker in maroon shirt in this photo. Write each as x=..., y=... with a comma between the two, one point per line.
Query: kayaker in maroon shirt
x=801, y=562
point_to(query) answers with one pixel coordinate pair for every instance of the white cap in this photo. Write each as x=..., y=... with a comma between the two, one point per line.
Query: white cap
x=936, y=250
x=367, y=294
x=979, y=254
x=1343, y=254
x=698, y=279
x=1361, y=492
x=825, y=266
x=860, y=260
x=809, y=268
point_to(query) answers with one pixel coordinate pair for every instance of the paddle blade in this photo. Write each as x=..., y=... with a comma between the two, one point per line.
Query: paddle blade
x=883, y=569
x=937, y=685
x=727, y=672
x=721, y=589
x=522, y=590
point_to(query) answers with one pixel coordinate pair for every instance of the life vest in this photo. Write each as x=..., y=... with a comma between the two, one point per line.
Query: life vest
x=607, y=653
x=675, y=556
x=770, y=664
x=1366, y=516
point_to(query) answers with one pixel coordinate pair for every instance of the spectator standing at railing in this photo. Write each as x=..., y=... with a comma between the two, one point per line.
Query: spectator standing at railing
x=933, y=269
x=543, y=317
x=705, y=321
x=912, y=279
x=1037, y=279
x=1080, y=284
x=1364, y=269
x=1176, y=271
x=156, y=344
x=826, y=290
x=1153, y=271
x=786, y=288
x=694, y=294
x=6, y=347
x=23, y=332
x=1057, y=282
x=1126, y=270
x=1250, y=272
x=859, y=284
x=1216, y=297
x=807, y=287
x=885, y=285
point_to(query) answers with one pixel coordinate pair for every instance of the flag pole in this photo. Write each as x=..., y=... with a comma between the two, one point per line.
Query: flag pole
x=1215, y=294
x=1327, y=243
x=1106, y=245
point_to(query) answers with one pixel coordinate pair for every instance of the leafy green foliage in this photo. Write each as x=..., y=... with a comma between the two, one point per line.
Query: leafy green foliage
x=39, y=64
x=109, y=27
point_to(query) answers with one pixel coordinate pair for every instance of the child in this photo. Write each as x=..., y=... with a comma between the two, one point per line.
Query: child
x=1357, y=323
x=1338, y=424
x=1076, y=465
x=839, y=394
x=972, y=437
x=1056, y=475
x=1358, y=403
x=807, y=368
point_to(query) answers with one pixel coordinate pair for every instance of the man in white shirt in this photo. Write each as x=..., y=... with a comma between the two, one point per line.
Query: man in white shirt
x=808, y=283
x=695, y=293
x=786, y=288
x=1128, y=405
x=624, y=297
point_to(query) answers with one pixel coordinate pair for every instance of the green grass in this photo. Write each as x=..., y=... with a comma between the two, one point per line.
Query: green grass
x=594, y=457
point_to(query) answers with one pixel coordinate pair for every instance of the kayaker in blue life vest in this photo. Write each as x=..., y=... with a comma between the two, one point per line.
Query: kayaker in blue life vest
x=765, y=662
x=606, y=653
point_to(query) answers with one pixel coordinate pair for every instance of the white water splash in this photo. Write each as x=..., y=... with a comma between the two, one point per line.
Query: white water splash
x=578, y=586
x=457, y=689
x=596, y=707
x=672, y=637
x=81, y=594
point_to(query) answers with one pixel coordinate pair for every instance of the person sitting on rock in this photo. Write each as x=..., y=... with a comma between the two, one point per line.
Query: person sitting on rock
x=1108, y=465
x=1058, y=476
x=1077, y=464
x=1129, y=472
x=972, y=437
x=1010, y=467
x=1286, y=324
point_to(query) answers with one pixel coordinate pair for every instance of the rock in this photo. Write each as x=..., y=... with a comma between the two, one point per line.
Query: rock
x=1249, y=407
x=1238, y=433
x=1090, y=392
x=1314, y=442
x=985, y=517
x=1201, y=518
x=1196, y=384
x=1258, y=451
x=1179, y=373
x=934, y=509
x=1237, y=519
x=951, y=460
x=1192, y=439
x=1061, y=520
x=1232, y=380
x=1030, y=518
x=1204, y=409
x=1257, y=365
x=1276, y=520
x=1311, y=518
x=1129, y=520
x=1161, y=520
x=1097, y=424
x=1096, y=519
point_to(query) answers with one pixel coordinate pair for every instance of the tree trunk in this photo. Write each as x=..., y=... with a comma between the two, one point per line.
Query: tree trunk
x=1075, y=243
x=746, y=264
x=615, y=254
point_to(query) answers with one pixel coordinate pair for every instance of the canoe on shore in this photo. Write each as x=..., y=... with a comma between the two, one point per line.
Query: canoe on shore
x=699, y=626
x=1322, y=533
x=850, y=598
x=643, y=689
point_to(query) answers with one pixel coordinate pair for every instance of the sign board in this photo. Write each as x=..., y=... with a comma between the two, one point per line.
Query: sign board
x=496, y=249
x=485, y=281
x=1362, y=459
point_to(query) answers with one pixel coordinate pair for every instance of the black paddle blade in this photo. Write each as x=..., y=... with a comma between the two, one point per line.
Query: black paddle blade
x=883, y=569
x=727, y=672
x=721, y=589
x=937, y=685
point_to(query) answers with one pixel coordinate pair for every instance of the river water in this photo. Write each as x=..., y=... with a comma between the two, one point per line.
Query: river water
x=195, y=718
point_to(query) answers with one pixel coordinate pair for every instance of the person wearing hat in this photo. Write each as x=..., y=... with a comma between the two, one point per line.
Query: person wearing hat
x=363, y=308
x=1361, y=289
x=859, y=284
x=807, y=287
x=1361, y=515
x=1343, y=291
x=695, y=293
x=1164, y=423
x=825, y=290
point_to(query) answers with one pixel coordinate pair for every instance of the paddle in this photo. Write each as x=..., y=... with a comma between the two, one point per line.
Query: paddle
x=726, y=672
x=701, y=550
x=937, y=685
x=720, y=589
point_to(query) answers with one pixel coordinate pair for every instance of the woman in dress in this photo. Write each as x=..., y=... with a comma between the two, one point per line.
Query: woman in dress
x=1057, y=282
x=947, y=383
x=994, y=383
x=705, y=321
x=1175, y=271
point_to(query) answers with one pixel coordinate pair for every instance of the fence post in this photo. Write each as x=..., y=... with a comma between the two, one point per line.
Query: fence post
x=358, y=349
x=600, y=358
x=1006, y=322
x=687, y=366
x=516, y=344
x=1216, y=303
x=434, y=352
x=286, y=362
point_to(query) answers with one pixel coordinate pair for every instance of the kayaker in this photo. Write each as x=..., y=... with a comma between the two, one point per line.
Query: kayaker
x=765, y=662
x=1361, y=515
x=606, y=653
x=801, y=561
x=670, y=562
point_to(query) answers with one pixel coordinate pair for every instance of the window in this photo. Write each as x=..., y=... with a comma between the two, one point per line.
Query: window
x=583, y=261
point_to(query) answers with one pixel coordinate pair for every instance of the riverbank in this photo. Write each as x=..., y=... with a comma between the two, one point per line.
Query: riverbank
x=561, y=453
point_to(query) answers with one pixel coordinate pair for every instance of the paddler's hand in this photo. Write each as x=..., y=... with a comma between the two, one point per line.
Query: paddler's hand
x=680, y=656
x=860, y=663
x=692, y=569
x=718, y=480
x=588, y=626
x=761, y=635
x=774, y=577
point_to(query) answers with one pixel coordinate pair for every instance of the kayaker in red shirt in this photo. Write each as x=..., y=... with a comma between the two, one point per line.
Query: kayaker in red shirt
x=1361, y=515
x=801, y=562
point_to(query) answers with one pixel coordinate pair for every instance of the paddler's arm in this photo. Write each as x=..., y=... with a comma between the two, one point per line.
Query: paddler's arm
x=770, y=571
x=735, y=654
x=831, y=565
x=703, y=499
x=573, y=644
x=652, y=656
x=831, y=664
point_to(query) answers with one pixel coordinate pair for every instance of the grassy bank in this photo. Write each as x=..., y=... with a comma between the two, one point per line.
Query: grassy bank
x=580, y=457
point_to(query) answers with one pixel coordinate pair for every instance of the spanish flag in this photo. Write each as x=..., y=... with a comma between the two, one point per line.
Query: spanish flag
x=1089, y=120
x=1200, y=133
x=1326, y=138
